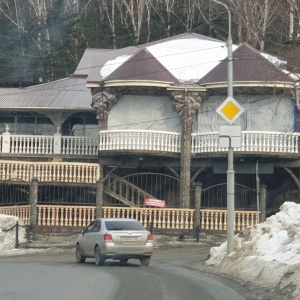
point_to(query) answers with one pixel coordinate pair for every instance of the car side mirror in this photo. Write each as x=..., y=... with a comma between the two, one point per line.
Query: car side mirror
x=82, y=231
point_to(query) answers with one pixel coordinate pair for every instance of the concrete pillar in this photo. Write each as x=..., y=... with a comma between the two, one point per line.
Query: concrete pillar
x=197, y=215
x=262, y=202
x=6, y=140
x=33, y=202
x=99, y=194
x=57, y=143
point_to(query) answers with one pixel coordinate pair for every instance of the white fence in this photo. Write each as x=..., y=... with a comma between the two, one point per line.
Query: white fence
x=144, y=140
x=252, y=141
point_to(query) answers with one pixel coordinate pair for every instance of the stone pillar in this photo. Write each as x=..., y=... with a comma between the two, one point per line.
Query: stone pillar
x=57, y=143
x=262, y=202
x=100, y=194
x=6, y=140
x=186, y=104
x=33, y=202
x=197, y=215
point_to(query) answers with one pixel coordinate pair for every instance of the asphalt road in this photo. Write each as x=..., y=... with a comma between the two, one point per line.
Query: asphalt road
x=175, y=273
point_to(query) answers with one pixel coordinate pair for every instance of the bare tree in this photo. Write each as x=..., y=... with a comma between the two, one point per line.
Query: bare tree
x=253, y=18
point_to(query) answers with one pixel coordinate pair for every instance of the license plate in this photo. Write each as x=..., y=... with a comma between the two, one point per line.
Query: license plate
x=130, y=239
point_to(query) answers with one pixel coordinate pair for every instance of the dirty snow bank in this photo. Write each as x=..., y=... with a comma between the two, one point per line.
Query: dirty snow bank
x=267, y=254
x=8, y=235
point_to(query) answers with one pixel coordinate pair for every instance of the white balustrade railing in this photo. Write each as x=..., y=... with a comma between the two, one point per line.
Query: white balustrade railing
x=31, y=144
x=50, y=171
x=251, y=141
x=48, y=145
x=160, y=218
x=79, y=145
x=139, y=140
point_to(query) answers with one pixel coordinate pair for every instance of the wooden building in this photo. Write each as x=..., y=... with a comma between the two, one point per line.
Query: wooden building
x=141, y=122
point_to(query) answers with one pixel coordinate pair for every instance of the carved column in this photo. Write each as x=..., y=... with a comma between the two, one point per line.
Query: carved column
x=186, y=104
x=103, y=100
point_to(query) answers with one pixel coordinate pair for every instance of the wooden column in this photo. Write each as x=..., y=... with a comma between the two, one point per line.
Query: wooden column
x=33, y=202
x=187, y=104
x=262, y=202
x=100, y=193
x=198, y=186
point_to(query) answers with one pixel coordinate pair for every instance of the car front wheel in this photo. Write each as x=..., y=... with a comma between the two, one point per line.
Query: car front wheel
x=99, y=260
x=145, y=261
x=79, y=258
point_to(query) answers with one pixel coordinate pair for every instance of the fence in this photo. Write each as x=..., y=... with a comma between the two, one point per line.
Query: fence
x=160, y=218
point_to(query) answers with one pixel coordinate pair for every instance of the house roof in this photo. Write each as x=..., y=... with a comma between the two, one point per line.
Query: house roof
x=142, y=66
x=68, y=93
x=249, y=65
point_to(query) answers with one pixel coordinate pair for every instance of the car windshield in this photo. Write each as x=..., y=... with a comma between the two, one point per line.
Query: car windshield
x=123, y=225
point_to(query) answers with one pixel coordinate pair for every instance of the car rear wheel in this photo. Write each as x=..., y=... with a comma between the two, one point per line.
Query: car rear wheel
x=145, y=261
x=79, y=258
x=99, y=260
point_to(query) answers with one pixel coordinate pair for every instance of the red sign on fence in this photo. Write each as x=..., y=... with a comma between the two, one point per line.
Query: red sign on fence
x=155, y=202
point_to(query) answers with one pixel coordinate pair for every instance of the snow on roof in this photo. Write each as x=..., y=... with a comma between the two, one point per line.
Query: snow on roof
x=186, y=59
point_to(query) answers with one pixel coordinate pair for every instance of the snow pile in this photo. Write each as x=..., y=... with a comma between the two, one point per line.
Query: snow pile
x=267, y=254
x=8, y=235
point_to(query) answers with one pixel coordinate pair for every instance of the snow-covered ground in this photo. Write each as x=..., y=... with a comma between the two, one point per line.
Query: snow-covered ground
x=267, y=254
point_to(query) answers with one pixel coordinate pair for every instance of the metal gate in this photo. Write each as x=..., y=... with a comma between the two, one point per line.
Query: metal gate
x=216, y=197
x=14, y=192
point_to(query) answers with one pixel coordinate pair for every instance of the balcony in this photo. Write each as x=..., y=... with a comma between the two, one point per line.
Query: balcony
x=48, y=145
x=143, y=140
x=160, y=141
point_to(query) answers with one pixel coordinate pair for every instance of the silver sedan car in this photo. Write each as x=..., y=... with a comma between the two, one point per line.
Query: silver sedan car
x=117, y=239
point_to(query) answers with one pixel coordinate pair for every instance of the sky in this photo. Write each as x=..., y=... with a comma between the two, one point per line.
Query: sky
x=267, y=254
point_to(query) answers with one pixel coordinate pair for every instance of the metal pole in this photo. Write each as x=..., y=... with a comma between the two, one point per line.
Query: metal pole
x=230, y=202
x=230, y=170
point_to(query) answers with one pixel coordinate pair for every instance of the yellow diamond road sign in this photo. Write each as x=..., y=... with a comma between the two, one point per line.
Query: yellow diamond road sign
x=230, y=110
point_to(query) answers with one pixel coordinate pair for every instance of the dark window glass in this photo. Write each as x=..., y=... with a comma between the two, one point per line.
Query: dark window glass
x=44, y=126
x=123, y=225
x=25, y=125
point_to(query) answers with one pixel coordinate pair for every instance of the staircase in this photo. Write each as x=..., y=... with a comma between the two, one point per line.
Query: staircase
x=125, y=191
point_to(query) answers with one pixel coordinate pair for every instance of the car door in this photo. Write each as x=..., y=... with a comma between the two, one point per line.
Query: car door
x=88, y=239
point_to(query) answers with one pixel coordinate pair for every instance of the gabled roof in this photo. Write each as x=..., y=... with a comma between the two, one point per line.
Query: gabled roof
x=249, y=65
x=142, y=66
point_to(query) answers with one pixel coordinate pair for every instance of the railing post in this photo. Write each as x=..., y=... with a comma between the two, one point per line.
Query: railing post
x=6, y=140
x=262, y=202
x=57, y=143
x=33, y=202
x=198, y=186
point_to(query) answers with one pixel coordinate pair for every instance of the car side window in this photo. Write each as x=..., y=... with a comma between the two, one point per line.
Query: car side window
x=96, y=227
x=90, y=227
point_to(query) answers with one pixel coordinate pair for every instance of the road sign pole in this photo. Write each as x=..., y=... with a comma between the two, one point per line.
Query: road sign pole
x=230, y=172
x=230, y=202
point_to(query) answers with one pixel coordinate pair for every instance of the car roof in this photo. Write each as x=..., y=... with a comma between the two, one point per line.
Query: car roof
x=117, y=219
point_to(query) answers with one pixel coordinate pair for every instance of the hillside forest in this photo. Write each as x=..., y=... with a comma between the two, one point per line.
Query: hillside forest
x=43, y=40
